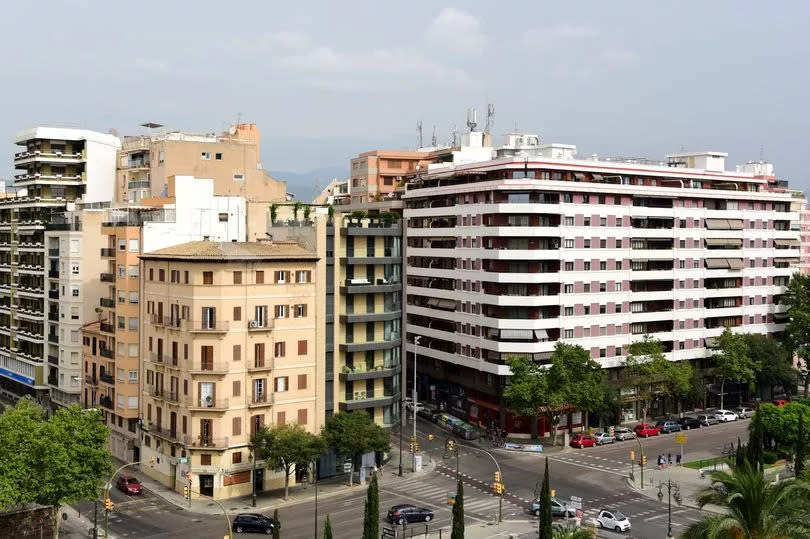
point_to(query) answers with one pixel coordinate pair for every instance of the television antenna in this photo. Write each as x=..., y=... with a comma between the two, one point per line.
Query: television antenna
x=490, y=118
x=472, y=118
x=433, y=137
x=419, y=133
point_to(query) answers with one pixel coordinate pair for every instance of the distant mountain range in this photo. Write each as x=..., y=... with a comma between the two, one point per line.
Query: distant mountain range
x=307, y=185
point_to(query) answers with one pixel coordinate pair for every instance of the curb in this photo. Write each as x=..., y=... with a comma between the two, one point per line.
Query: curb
x=641, y=491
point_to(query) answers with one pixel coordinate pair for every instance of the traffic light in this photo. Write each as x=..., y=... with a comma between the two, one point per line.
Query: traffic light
x=497, y=477
x=430, y=437
x=185, y=492
x=451, y=445
x=632, y=456
x=643, y=460
x=188, y=476
x=553, y=493
x=498, y=488
x=108, y=504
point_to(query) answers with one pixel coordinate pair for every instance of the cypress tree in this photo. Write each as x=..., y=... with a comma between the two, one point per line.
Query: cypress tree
x=801, y=441
x=371, y=514
x=276, y=525
x=754, y=448
x=327, y=528
x=740, y=455
x=546, y=530
x=458, y=513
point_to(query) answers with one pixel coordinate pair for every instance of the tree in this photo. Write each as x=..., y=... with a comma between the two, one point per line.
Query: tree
x=458, y=513
x=561, y=532
x=698, y=390
x=756, y=444
x=327, y=528
x=545, y=526
x=297, y=207
x=371, y=518
x=797, y=332
x=732, y=362
x=774, y=364
x=576, y=377
x=801, y=445
x=330, y=213
x=53, y=462
x=780, y=424
x=526, y=392
x=648, y=371
x=307, y=212
x=353, y=434
x=276, y=525
x=273, y=212
x=291, y=448
x=754, y=507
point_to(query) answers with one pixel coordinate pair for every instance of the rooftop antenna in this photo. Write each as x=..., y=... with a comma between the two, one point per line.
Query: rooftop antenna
x=238, y=118
x=762, y=152
x=419, y=132
x=472, y=119
x=433, y=137
x=454, y=138
x=490, y=118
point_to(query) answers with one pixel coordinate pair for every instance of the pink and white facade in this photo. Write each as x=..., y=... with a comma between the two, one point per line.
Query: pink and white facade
x=506, y=257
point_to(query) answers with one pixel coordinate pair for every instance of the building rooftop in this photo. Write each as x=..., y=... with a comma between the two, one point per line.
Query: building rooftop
x=63, y=133
x=214, y=250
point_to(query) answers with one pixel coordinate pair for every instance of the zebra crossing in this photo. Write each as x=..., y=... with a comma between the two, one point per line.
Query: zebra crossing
x=594, y=461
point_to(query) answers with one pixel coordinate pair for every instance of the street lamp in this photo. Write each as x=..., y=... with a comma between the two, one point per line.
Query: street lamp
x=415, y=354
x=671, y=485
x=315, y=478
x=255, y=457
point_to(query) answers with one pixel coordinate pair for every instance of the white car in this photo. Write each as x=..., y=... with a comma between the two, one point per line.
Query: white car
x=725, y=416
x=613, y=520
x=603, y=438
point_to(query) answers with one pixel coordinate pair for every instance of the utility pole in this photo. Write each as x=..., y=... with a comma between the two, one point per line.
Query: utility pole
x=670, y=484
x=95, y=518
x=415, y=355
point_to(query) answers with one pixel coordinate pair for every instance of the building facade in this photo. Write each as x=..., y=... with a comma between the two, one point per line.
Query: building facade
x=232, y=342
x=57, y=167
x=377, y=174
x=508, y=256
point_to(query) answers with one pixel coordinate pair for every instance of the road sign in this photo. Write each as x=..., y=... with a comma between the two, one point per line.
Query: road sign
x=388, y=532
x=576, y=502
x=576, y=499
x=182, y=460
x=680, y=438
x=347, y=467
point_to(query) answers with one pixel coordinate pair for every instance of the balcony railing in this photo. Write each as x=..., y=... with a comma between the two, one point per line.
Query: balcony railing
x=260, y=325
x=158, y=358
x=106, y=378
x=209, y=404
x=204, y=367
x=107, y=278
x=53, y=252
x=204, y=441
x=53, y=360
x=107, y=252
x=106, y=402
x=106, y=352
x=92, y=380
x=260, y=365
x=53, y=294
x=165, y=321
x=163, y=432
x=107, y=302
x=207, y=325
x=53, y=338
x=54, y=274
x=107, y=328
x=53, y=317
x=262, y=399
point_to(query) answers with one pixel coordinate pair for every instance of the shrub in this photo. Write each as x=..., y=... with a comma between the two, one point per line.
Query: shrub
x=769, y=457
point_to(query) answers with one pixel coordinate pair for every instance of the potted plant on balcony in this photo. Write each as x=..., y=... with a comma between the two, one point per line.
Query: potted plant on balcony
x=307, y=213
x=330, y=211
x=273, y=213
x=209, y=401
x=297, y=207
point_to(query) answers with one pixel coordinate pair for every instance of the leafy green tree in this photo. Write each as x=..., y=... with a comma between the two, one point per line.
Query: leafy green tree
x=576, y=378
x=53, y=462
x=797, y=332
x=546, y=524
x=754, y=508
x=371, y=517
x=801, y=446
x=774, y=364
x=610, y=409
x=756, y=443
x=292, y=448
x=528, y=393
x=646, y=369
x=327, y=528
x=561, y=532
x=732, y=362
x=458, y=513
x=273, y=212
x=297, y=207
x=698, y=391
x=780, y=425
x=276, y=525
x=353, y=434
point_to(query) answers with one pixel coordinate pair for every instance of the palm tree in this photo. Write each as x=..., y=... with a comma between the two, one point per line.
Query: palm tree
x=561, y=532
x=754, y=507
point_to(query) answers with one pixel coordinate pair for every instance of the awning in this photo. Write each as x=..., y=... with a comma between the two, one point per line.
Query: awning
x=717, y=224
x=735, y=224
x=579, y=176
x=432, y=302
x=735, y=263
x=717, y=263
x=786, y=260
x=517, y=334
x=735, y=243
x=541, y=334
x=597, y=177
x=447, y=304
x=712, y=342
x=786, y=243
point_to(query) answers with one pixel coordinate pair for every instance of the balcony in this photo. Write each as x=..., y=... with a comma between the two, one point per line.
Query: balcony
x=207, y=326
x=53, y=274
x=260, y=400
x=53, y=338
x=205, y=442
x=53, y=252
x=164, y=321
x=172, y=396
x=139, y=184
x=366, y=399
x=106, y=402
x=208, y=404
x=106, y=378
x=214, y=368
x=91, y=380
x=371, y=317
x=107, y=278
x=107, y=328
x=163, y=432
x=373, y=345
x=156, y=392
x=53, y=360
x=107, y=252
x=362, y=372
x=106, y=352
x=107, y=302
x=259, y=366
x=260, y=325
x=363, y=286
x=53, y=294
x=155, y=357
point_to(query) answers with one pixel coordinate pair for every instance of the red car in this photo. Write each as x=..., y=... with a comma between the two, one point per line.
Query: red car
x=645, y=430
x=582, y=440
x=128, y=484
x=779, y=403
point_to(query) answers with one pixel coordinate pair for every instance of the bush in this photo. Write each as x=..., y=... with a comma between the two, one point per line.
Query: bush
x=769, y=457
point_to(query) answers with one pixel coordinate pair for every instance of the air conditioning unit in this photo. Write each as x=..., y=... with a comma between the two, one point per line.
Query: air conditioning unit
x=253, y=324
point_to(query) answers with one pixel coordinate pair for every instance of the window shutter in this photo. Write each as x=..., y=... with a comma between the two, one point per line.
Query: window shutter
x=281, y=418
x=237, y=390
x=302, y=416
x=237, y=426
x=302, y=381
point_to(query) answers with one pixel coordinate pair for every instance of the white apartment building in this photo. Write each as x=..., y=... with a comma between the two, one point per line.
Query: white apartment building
x=506, y=257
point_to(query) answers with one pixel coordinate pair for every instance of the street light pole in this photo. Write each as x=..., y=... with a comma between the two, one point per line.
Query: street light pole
x=253, y=479
x=415, y=355
x=401, y=425
x=315, y=477
x=670, y=484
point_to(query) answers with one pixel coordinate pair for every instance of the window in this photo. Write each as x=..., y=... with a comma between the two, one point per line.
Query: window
x=209, y=318
x=132, y=349
x=603, y=221
x=569, y=266
x=302, y=348
x=569, y=334
x=205, y=156
x=208, y=277
x=603, y=244
x=237, y=314
x=133, y=271
x=132, y=377
x=586, y=288
x=161, y=275
x=300, y=310
x=587, y=221
x=122, y=323
x=587, y=265
x=281, y=418
x=174, y=276
x=587, y=310
x=236, y=426
x=568, y=221
x=237, y=177
x=151, y=274
x=133, y=297
x=586, y=199
x=682, y=264
x=205, y=459
x=569, y=311
x=281, y=311
x=281, y=277
x=122, y=244
x=133, y=323
x=279, y=349
x=185, y=276
x=587, y=244
x=303, y=276
x=132, y=403
x=237, y=277
x=133, y=246
x=618, y=287
x=218, y=156
x=568, y=243
x=259, y=277
x=236, y=458
x=236, y=390
x=281, y=384
x=237, y=352
x=602, y=265
x=206, y=358
x=568, y=289
x=258, y=355
x=302, y=416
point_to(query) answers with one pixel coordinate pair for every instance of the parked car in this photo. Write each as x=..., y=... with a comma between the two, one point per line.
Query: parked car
x=558, y=509
x=779, y=402
x=582, y=440
x=707, y=419
x=409, y=513
x=613, y=520
x=667, y=426
x=623, y=433
x=724, y=416
x=128, y=484
x=645, y=430
x=743, y=412
x=689, y=422
x=604, y=438
x=253, y=522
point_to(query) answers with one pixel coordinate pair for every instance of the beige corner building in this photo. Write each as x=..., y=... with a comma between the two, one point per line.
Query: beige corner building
x=232, y=341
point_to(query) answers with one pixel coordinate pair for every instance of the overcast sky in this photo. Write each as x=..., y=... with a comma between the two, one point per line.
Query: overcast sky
x=326, y=80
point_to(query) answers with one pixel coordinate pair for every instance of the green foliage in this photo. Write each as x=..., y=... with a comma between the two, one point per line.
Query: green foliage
x=756, y=443
x=327, y=528
x=801, y=445
x=273, y=212
x=53, y=462
x=769, y=457
x=753, y=507
x=562, y=532
x=797, y=332
x=330, y=211
x=773, y=360
x=297, y=207
x=371, y=518
x=651, y=374
x=458, y=513
x=277, y=525
x=698, y=391
x=307, y=212
x=291, y=447
x=781, y=424
x=546, y=524
x=732, y=362
x=353, y=434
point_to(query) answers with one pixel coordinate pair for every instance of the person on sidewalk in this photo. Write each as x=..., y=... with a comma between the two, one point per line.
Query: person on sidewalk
x=669, y=459
x=678, y=459
x=660, y=462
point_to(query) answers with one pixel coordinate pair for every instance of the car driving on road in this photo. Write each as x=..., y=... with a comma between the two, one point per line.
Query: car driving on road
x=613, y=520
x=409, y=513
x=623, y=433
x=253, y=522
x=128, y=484
x=558, y=509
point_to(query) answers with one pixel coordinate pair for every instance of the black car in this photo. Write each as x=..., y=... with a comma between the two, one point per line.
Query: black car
x=253, y=522
x=687, y=423
x=409, y=513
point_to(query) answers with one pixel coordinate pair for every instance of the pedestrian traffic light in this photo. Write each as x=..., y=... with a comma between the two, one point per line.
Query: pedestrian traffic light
x=108, y=504
x=413, y=438
x=497, y=477
x=451, y=445
x=632, y=455
x=643, y=460
x=553, y=493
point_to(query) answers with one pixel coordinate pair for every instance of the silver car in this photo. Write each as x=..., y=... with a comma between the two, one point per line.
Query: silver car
x=744, y=412
x=707, y=419
x=623, y=433
x=603, y=438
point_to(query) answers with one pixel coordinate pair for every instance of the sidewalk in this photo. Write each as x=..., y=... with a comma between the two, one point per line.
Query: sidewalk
x=80, y=526
x=688, y=481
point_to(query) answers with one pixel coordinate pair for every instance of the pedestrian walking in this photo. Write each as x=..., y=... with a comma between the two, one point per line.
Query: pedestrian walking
x=660, y=462
x=678, y=459
x=669, y=459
